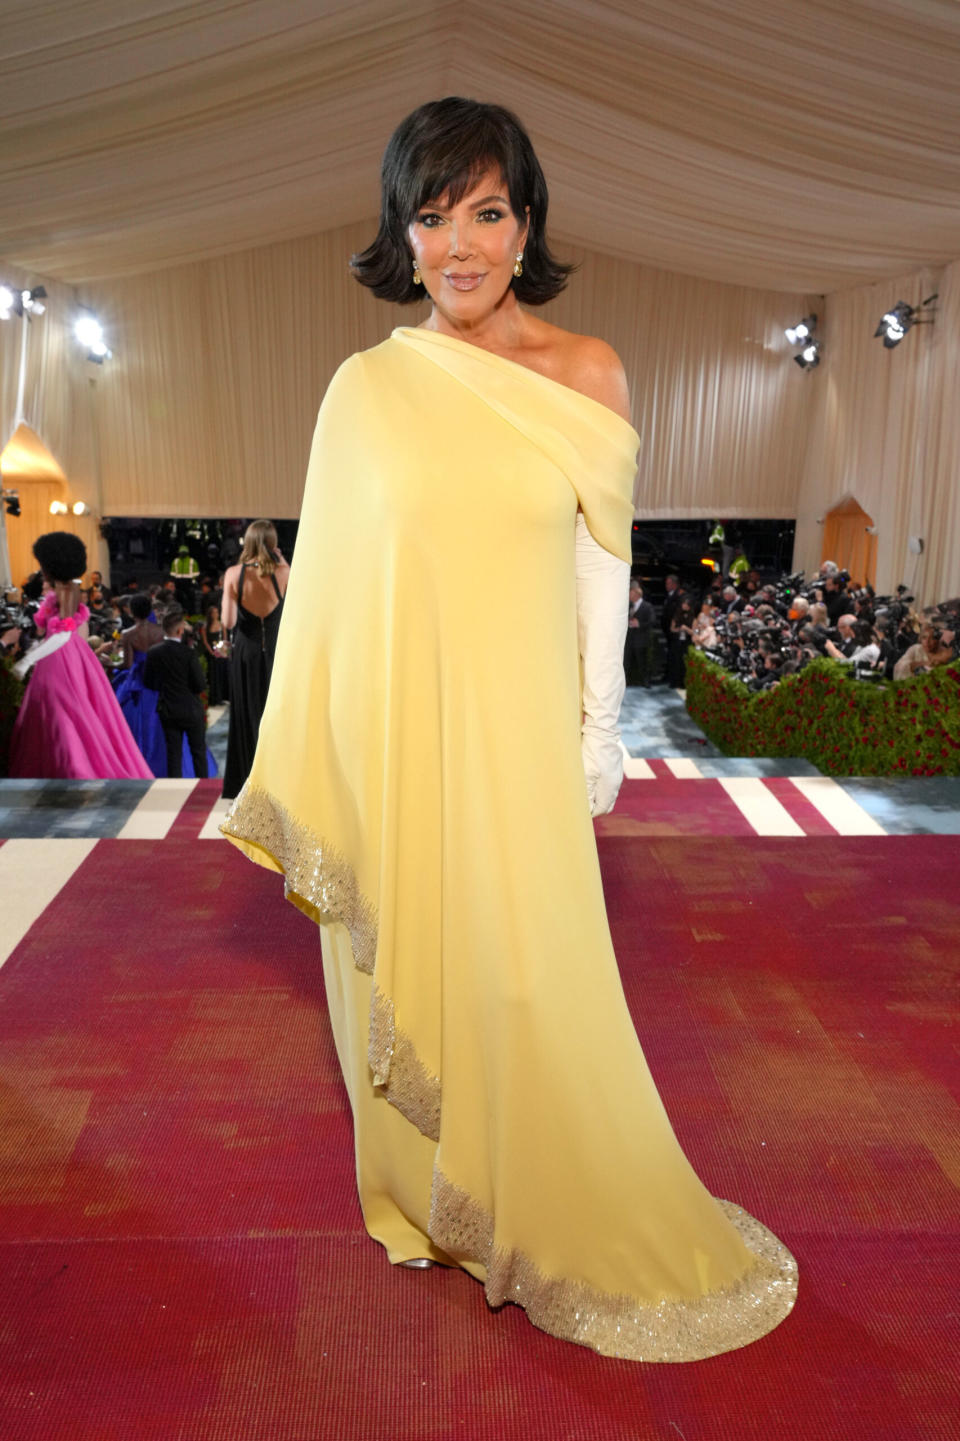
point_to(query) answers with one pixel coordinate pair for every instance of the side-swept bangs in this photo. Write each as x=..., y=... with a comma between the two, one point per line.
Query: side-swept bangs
x=438, y=153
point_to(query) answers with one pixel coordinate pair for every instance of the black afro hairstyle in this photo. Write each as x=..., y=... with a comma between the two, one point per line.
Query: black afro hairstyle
x=61, y=556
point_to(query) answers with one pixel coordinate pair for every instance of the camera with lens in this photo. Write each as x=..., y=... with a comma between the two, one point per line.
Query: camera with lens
x=17, y=618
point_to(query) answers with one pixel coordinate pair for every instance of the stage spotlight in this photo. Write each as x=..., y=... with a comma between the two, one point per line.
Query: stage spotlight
x=58, y=507
x=11, y=500
x=809, y=357
x=898, y=320
x=32, y=300
x=802, y=330
x=895, y=324
x=89, y=332
x=21, y=302
x=80, y=508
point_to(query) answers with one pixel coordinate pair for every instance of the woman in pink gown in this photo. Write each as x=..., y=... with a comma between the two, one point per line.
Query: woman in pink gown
x=69, y=726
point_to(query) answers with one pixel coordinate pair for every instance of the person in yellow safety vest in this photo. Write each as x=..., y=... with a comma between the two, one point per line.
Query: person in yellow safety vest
x=184, y=566
x=740, y=565
x=184, y=571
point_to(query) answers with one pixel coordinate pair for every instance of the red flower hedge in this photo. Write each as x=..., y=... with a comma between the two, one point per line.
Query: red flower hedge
x=844, y=726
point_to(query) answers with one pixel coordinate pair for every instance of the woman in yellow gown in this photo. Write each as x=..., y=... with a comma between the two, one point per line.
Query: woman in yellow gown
x=440, y=726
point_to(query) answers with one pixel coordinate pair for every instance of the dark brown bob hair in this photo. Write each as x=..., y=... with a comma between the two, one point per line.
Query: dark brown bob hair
x=441, y=150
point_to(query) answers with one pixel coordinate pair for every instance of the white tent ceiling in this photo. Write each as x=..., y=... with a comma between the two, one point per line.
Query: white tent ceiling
x=801, y=146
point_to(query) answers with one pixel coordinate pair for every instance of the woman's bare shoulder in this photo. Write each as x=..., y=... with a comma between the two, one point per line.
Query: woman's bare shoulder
x=584, y=363
x=600, y=374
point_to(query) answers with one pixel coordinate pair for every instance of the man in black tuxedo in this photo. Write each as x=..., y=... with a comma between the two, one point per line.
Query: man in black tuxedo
x=638, y=647
x=675, y=593
x=173, y=669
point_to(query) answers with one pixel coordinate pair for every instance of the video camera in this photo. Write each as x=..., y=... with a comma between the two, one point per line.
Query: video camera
x=17, y=616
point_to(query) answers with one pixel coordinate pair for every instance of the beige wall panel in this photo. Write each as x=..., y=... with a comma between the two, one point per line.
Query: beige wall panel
x=209, y=404
x=721, y=409
x=219, y=369
x=886, y=432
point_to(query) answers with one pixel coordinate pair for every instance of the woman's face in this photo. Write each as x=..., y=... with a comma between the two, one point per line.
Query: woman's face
x=466, y=252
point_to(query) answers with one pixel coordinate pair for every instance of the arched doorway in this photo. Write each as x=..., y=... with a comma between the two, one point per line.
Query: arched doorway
x=28, y=468
x=847, y=539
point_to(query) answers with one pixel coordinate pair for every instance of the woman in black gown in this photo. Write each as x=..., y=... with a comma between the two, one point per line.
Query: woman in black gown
x=212, y=635
x=253, y=594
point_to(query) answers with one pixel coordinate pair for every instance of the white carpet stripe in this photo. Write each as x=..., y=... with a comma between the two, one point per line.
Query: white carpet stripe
x=684, y=770
x=635, y=769
x=32, y=874
x=157, y=811
x=760, y=807
x=845, y=814
x=210, y=830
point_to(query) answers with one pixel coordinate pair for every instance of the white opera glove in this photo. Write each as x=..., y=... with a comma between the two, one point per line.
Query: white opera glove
x=603, y=584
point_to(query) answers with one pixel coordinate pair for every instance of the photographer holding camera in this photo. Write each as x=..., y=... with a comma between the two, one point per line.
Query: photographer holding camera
x=858, y=643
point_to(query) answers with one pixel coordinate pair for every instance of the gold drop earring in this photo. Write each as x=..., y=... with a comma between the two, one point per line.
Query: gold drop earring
x=518, y=264
x=417, y=277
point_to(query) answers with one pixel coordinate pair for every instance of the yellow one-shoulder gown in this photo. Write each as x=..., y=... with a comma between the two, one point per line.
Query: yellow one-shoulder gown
x=418, y=781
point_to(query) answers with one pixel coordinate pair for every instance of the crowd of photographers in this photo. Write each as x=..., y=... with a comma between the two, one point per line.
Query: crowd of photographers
x=764, y=632
x=761, y=632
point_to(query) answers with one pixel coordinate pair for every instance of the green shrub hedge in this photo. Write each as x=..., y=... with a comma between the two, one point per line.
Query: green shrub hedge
x=844, y=726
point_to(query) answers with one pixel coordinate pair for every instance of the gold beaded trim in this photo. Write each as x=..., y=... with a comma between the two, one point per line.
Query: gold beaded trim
x=620, y=1325
x=316, y=877
x=321, y=883
x=399, y=1071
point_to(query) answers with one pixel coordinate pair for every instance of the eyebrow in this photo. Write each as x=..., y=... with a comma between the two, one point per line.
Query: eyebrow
x=477, y=204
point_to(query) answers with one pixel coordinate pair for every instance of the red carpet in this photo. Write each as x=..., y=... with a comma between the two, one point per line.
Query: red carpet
x=180, y=1245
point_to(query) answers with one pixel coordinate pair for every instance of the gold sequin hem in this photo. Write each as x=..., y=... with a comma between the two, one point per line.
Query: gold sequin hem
x=618, y=1325
x=399, y=1072
x=316, y=877
x=321, y=883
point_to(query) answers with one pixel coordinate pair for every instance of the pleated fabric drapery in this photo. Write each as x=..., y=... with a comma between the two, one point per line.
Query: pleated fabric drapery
x=752, y=142
x=207, y=406
x=722, y=413
x=885, y=431
x=939, y=574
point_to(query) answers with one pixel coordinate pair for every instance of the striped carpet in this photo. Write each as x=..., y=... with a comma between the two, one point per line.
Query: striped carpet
x=180, y=1247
